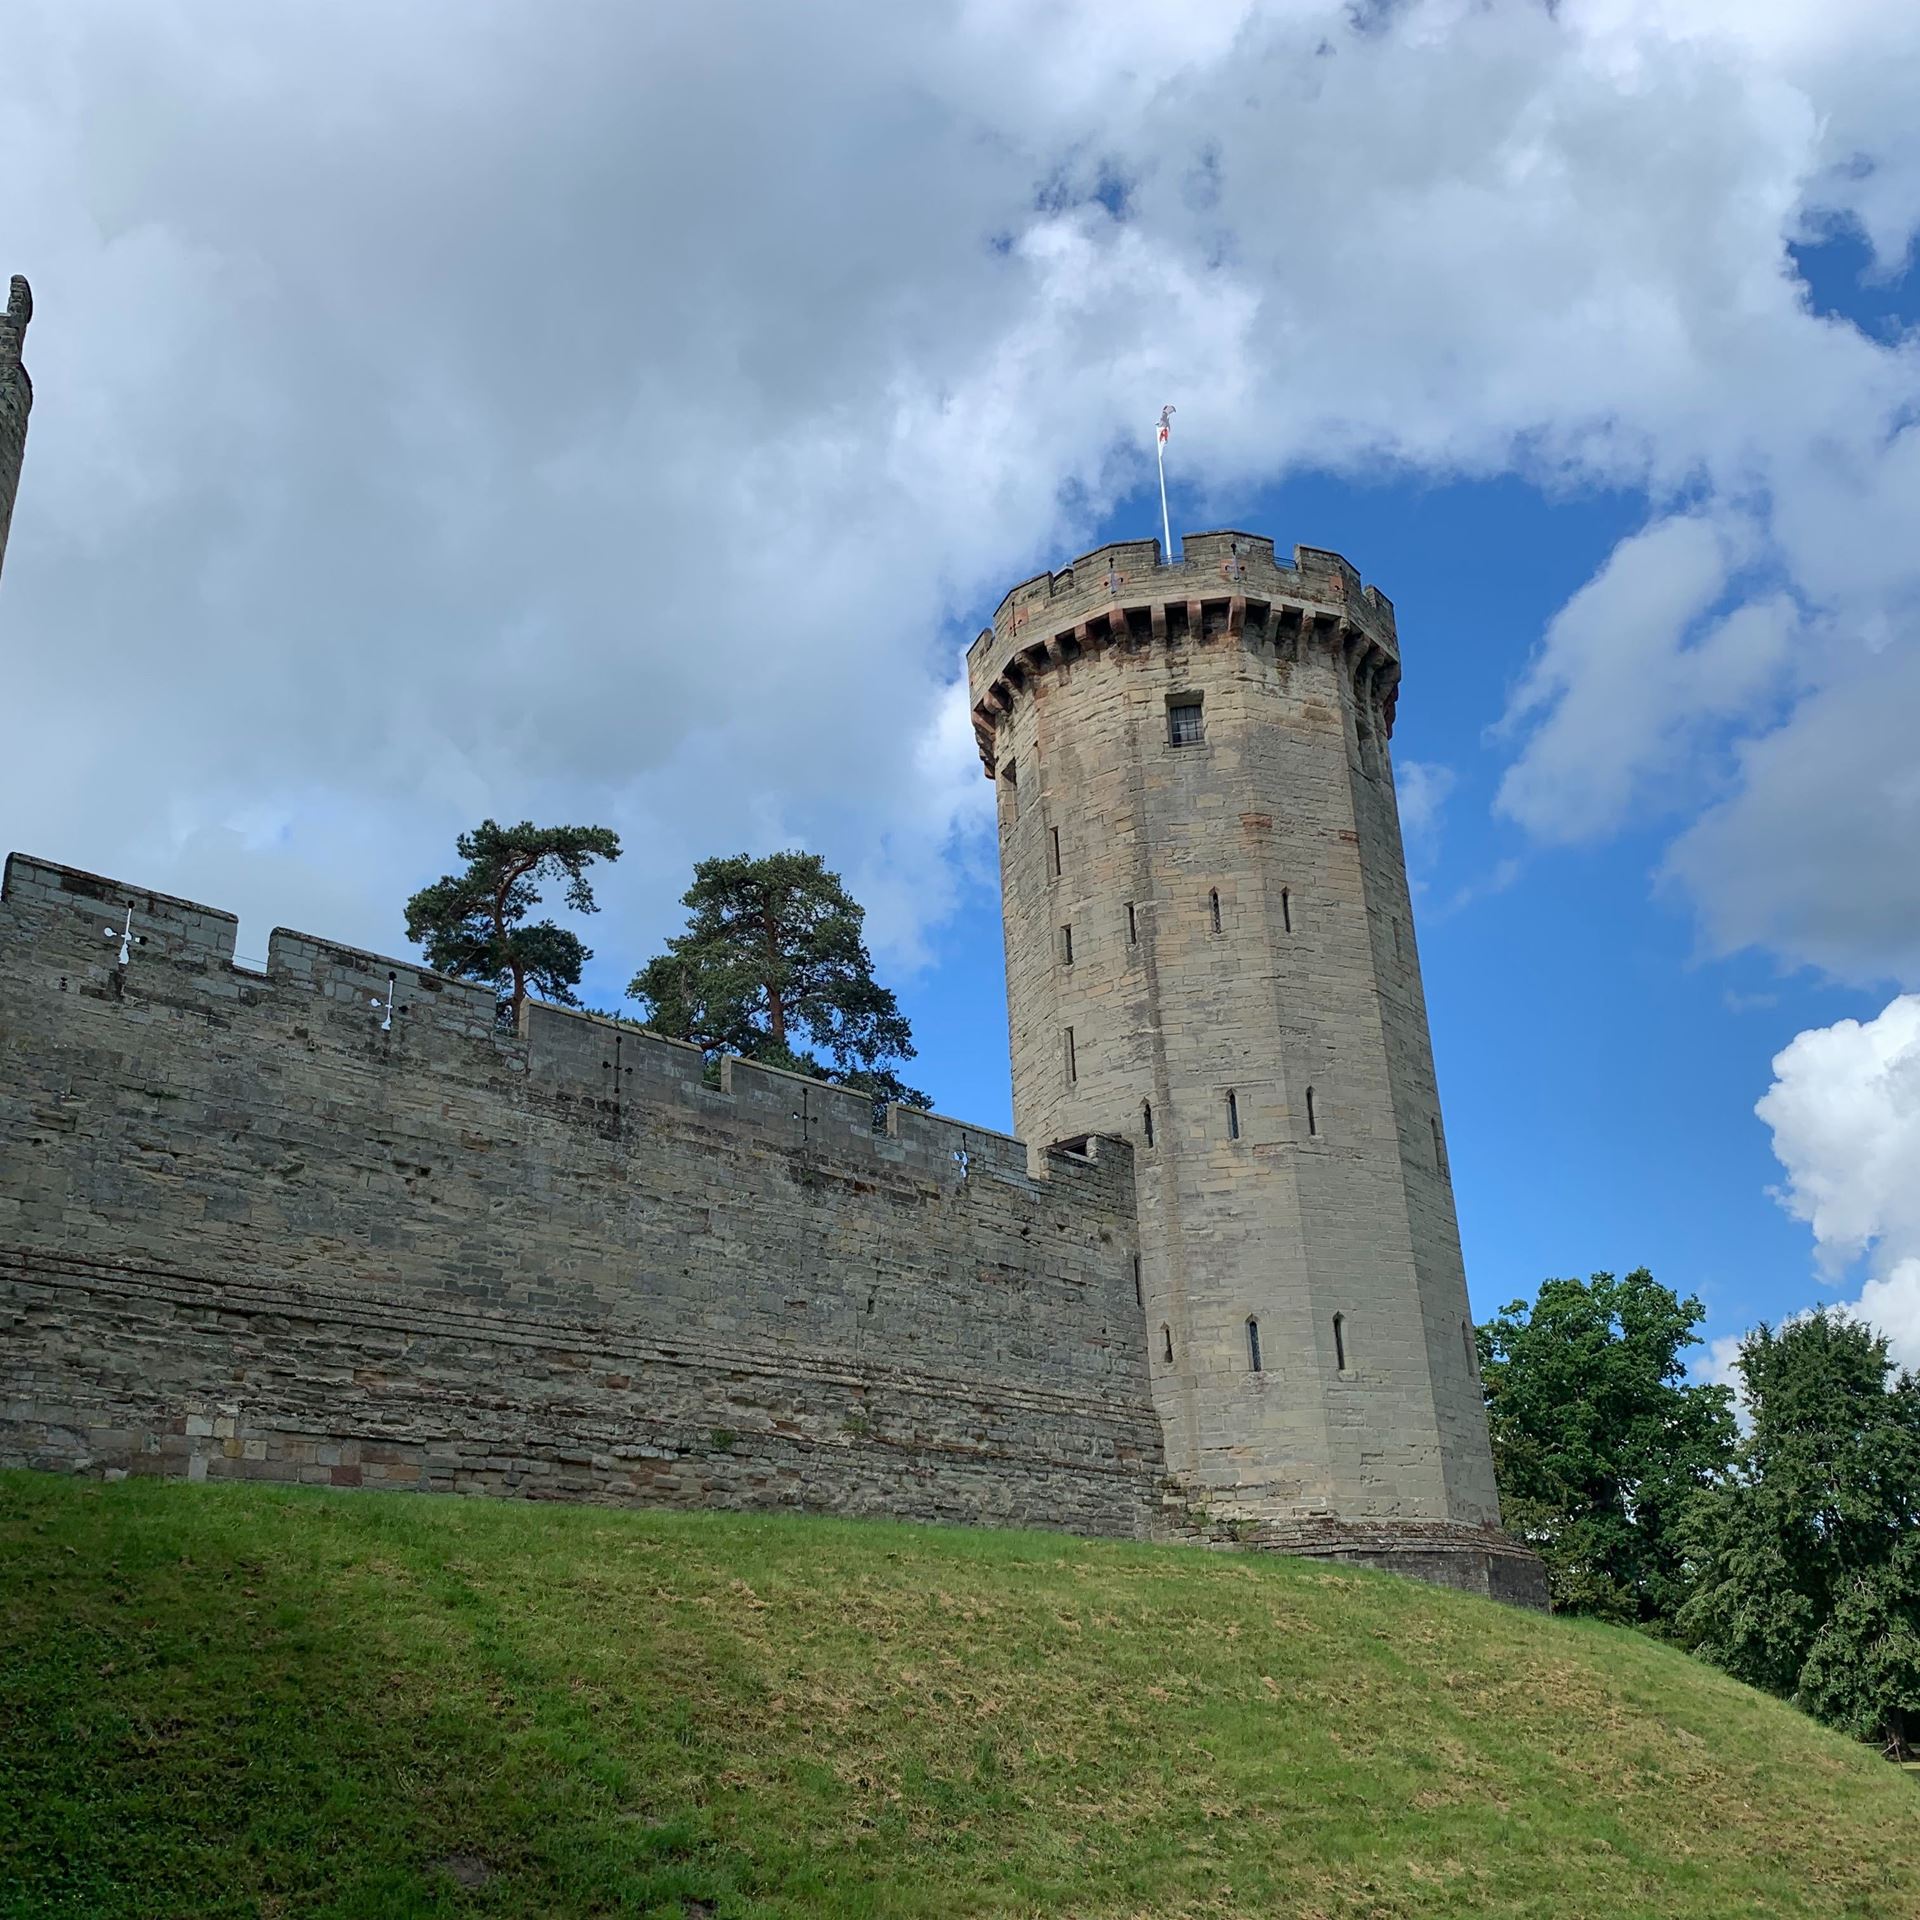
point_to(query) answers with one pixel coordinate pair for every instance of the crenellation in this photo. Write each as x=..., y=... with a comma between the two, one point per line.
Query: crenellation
x=1227, y=586
x=426, y=1251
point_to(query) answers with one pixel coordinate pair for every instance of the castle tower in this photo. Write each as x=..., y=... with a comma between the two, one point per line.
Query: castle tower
x=1210, y=952
x=16, y=400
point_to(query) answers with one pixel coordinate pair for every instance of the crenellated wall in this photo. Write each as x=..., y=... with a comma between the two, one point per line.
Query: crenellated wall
x=253, y=1225
x=16, y=400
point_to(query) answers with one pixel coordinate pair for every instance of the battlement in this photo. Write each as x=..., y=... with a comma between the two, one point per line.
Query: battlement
x=329, y=1221
x=67, y=928
x=1226, y=584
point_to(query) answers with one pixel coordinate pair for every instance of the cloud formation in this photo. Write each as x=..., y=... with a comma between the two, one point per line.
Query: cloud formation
x=621, y=415
x=1844, y=1109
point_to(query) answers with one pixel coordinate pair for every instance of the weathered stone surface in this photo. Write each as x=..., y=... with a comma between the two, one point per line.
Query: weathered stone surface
x=246, y=1232
x=1218, y=934
x=16, y=401
x=250, y=1227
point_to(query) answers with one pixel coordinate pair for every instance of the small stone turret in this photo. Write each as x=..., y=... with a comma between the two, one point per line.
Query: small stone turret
x=1210, y=953
x=16, y=400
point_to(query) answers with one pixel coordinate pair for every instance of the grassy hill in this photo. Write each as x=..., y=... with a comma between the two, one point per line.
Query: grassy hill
x=227, y=1700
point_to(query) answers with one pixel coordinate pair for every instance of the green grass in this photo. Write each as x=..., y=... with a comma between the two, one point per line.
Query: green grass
x=249, y=1700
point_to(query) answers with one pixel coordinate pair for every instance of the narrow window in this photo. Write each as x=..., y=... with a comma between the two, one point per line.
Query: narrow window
x=1286, y=911
x=1396, y=939
x=1066, y=946
x=1466, y=1341
x=1053, y=851
x=1213, y=906
x=1313, y=1126
x=1133, y=927
x=1073, y=1065
x=1439, y=1160
x=1183, y=723
x=1253, y=1344
x=1138, y=1298
x=1166, y=1343
x=1340, y=1341
x=1233, y=1115
x=1013, y=791
x=1146, y=1120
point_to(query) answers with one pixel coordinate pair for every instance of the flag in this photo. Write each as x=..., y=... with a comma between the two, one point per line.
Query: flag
x=1166, y=416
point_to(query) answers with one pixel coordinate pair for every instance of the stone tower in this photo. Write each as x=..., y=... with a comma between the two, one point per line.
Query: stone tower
x=1210, y=952
x=16, y=400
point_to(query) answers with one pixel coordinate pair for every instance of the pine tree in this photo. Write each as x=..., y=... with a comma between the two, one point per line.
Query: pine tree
x=772, y=967
x=472, y=924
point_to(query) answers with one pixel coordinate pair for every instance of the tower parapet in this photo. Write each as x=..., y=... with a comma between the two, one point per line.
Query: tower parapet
x=1210, y=953
x=1225, y=585
x=16, y=400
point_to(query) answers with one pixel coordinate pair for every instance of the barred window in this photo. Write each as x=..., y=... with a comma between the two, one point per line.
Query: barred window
x=1183, y=723
x=1253, y=1345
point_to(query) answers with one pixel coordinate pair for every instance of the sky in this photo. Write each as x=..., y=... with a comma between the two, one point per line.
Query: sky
x=628, y=415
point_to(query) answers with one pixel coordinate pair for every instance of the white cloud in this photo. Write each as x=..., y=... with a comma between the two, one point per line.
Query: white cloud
x=1844, y=1109
x=1631, y=667
x=445, y=409
x=1423, y=788
x=1812, y=853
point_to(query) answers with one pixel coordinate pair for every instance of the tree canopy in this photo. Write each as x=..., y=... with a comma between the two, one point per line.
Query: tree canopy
x=1598, y=1442
x=473, y=925
x=773, y=967
x=1806, y=1564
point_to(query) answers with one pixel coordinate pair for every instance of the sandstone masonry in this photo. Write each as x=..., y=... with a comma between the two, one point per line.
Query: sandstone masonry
x=16, y=400
x=250, y=1227
x=1210, y=953
x=329, y=1222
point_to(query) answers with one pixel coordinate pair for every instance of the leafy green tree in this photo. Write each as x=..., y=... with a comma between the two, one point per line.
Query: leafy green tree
x=1806, y=1564
x=1598, y=1441
x=473, y=924
x=773, y=968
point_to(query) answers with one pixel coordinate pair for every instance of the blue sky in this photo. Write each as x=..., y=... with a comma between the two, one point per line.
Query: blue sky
x=1599, y=1065
x=452, y=410
x=1599, y=1072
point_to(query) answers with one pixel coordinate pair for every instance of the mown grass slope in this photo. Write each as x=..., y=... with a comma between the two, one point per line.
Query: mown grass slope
x=226, y=1700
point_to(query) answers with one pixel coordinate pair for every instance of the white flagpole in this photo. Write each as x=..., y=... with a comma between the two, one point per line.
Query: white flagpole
x=1160, y=454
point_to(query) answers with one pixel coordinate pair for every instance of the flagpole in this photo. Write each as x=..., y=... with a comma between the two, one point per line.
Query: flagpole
x=1160, y=455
